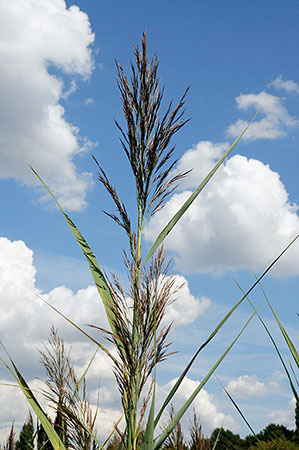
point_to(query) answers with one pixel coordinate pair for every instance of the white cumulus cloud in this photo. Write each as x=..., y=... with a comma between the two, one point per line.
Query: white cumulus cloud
x=186, y=308
x=289, y=86
x=249, y=385
x=35, y=35
x=274, y=123
x=241, y=220
x=29, y=317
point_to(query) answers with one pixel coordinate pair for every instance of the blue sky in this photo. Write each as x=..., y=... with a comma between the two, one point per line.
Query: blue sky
x=59, y=101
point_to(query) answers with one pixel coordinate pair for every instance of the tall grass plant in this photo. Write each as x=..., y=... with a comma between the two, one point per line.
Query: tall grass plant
x=135, y=315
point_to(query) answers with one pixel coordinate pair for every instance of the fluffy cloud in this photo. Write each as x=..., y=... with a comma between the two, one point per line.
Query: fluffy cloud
x=243, y=218
x=275, y=121
x=287, y=85
x=249, y=385
x=21, y=306
x=186, y=308
x=35, y=35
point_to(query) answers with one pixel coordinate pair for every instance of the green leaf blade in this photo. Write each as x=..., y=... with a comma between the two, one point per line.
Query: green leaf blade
x=98, y=276
x=51, y=433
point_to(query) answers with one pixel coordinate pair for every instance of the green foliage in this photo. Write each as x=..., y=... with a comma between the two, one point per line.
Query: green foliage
x=26, y=439
x=227, y=440
x=296, y=436
x=277, y=444
x=275, y=432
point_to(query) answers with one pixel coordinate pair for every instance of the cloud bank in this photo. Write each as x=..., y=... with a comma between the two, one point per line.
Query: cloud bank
x=242, y=220
x=36, y=36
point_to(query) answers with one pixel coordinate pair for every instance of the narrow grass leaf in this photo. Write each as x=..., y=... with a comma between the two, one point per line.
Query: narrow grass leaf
x=97, y=274
x=122, y=442
x=293, y=372
x=217, y=438
x=51, y=433
x=167, y=229
x=186, y=405
x=240, y=412
x=84, y=374
x=111, y=434
x=213, y=334
x=148, y=439
x=283, y=331
x=275, y=346
x=286, y=337
x=10, y=385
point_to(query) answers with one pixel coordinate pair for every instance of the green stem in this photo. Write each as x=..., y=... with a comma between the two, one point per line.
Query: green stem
x=132, y=437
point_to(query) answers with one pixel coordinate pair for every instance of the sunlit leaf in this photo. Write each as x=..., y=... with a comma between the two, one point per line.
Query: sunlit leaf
x=97, y=274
